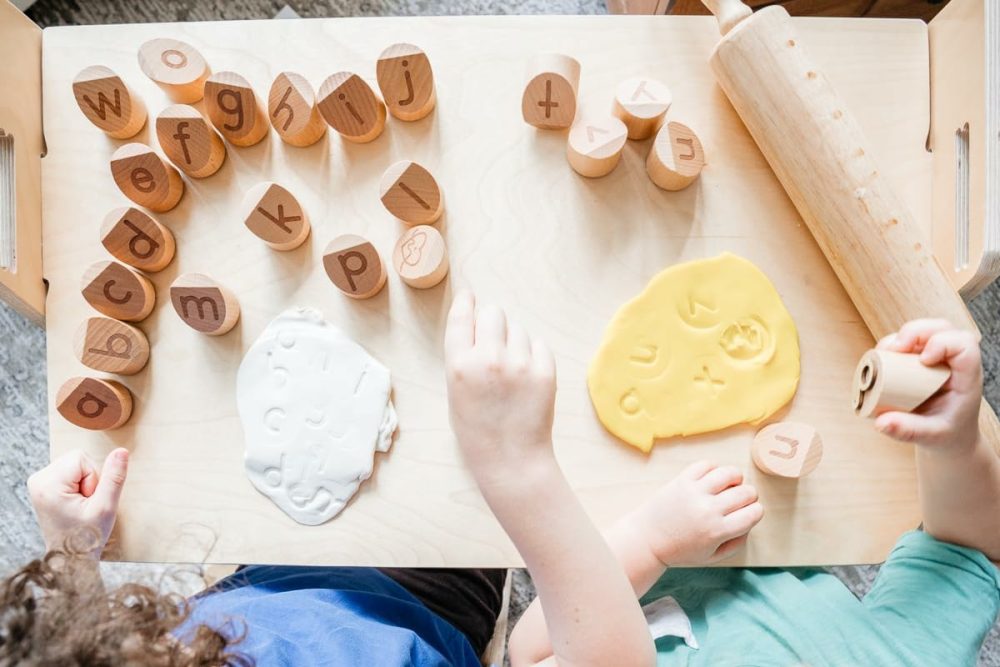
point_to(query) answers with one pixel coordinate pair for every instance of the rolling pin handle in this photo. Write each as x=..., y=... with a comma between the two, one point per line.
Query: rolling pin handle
x=727, y=12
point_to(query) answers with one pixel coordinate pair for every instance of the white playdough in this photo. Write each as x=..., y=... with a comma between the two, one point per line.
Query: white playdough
x=315, y=407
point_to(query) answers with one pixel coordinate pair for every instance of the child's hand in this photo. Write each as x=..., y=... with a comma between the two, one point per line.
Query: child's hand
x=950, y=418
x=71, y=498
x=501, y=391
x=701, y=516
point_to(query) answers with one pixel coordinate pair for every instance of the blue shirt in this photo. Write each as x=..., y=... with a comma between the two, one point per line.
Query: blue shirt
x=305, y=616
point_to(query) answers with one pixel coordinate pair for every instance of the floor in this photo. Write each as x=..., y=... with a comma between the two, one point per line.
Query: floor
x=23, y=409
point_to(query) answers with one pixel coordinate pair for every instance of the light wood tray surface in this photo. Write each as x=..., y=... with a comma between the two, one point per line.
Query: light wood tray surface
x=560, y=252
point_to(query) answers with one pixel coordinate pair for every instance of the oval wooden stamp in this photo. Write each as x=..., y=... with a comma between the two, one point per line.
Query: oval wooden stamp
x=549, y=99
x=291, y=106
x=887, y=381
x=111, y=346
x=594, y=146
x=787, y=449
x=676, y=158
x=234, y=109
x=641, y=103
x=354, y=267
x=146, y=178
x=410, y=193
x=108, y=103
x=406, y=81
x=135, y=238
x=203, y=304
x=175, y=66
x=190, y=141
x=274, y=215
x=117, y=291
x=421, y=257
x=351, y=107
x=94, y=404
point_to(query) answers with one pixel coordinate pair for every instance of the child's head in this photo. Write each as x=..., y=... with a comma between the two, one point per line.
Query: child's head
x=56, y=611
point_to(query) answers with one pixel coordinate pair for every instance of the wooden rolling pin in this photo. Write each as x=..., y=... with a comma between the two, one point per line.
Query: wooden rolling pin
x=816, y=148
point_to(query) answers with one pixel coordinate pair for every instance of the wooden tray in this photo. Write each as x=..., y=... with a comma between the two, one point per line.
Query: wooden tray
x=560, y=252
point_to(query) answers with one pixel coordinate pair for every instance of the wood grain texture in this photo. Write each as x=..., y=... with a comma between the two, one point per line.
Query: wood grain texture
x=550, y=89
x=234, y=109
x=410, y=193
x=94, y=404
x=291, y=105
x=203, y=304
x=594, y=145
x=787, y=449
x=22, y=285
x=177, y=66
x=190, y=142
x=354, y=266
x=421, y=257
x=560, y=252
x=351, y=107
x=676, y=157
x=117, y=291
x=134, y=237
x=406, y=80
x=108, y=345
x=146, y=178
x=108, y=103
x=275, y=216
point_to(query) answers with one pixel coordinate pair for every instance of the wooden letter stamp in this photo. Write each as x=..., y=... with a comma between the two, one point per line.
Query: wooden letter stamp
x=641, y=104
x=887, y=381
x=350, y=106
x=108, y=103
x=354, y=266
x=274, y=215
x=410, y=193
x=203, y=304
x=406, y=80
x=111, y=346
x=117, y=291
x=595, y=145
x=98, y=405
x=787, y=449
x=175, y=66
x=291, y=105
x=189, y=141
x=549, y=99
x=145, y=178
x=137, y=239
x=420, y=257
x=676, y=157
x=234, y=109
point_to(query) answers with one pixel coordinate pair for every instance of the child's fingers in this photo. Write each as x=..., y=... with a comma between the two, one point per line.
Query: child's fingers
x=911, y=427
x=721, y=478
x=113, y=473
x=72, y=472
x=541, y=357
x=958, y=349
x=491, y=328
x=518, y=345
x=730, y=547
x=736, y=497
x=698, y=470
x=886, y=342
x=913, y=335
x=742, y=520
x=461, y=330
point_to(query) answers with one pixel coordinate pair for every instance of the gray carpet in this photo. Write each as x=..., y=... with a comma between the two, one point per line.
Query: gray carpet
x=23, y=410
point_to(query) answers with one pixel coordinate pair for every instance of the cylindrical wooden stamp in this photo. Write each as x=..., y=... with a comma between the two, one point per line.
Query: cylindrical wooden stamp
x=893, y=381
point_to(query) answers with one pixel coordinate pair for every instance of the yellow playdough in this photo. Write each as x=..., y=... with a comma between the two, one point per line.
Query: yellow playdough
x=706, y=345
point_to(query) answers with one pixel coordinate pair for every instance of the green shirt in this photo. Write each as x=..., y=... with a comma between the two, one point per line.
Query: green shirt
x=932, y=604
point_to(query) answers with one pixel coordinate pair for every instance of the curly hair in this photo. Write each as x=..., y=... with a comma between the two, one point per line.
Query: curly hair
x=56, y=611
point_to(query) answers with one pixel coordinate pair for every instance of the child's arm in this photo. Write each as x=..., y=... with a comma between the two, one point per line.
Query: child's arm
x=958, y=472
x=501, y=392
x=74, y=501
x=701, y=516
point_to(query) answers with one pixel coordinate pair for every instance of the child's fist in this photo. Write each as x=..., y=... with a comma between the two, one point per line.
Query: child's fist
x=950, y=417
x=71, y=498
x=701, y=516
x=501, y=390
